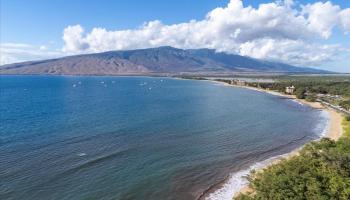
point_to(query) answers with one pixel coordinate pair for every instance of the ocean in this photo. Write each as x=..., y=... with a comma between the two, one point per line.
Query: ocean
x=120, y=138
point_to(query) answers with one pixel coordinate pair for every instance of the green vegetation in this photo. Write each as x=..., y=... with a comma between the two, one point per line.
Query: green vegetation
x=334, y=85
x=347, y=118
x=345, y=104
x=311, y=97
x=193, y=78
x=313, y=87
x=300, y=93
x=332, y=89
x=321, y=171
x=346, y=126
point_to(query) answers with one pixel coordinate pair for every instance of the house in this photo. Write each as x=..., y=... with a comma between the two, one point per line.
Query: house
x=290, y=89
x=238, y=82
x=241, y=83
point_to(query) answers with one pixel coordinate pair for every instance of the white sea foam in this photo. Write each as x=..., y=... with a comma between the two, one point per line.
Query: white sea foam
x=298, y=102
x=237, y=181
x=323, y=127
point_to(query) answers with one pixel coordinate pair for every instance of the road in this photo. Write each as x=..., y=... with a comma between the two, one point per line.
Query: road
x=338, y=108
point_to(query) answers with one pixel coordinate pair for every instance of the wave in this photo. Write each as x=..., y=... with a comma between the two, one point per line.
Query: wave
x=298, y=102
x=238, y=180
x=323, y=126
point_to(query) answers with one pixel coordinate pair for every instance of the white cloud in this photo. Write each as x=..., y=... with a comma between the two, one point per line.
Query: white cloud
x=345, y=19
x=295, y=52
x=282, y=30
x=43, y=47
x=18, y=52
x=72, y=36
x=323, y=17
x=278, y=30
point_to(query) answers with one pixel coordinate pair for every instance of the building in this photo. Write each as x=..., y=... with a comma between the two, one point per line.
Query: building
x=290, y=89
x=238, y=82
x=241, y=83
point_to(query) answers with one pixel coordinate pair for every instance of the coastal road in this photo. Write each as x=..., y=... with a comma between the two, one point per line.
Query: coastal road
x=337, y=108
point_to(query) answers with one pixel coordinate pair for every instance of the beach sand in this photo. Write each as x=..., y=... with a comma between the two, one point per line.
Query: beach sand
x=334, y=129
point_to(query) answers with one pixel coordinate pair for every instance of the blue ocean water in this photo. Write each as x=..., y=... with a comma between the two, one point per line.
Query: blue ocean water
x=74, y=137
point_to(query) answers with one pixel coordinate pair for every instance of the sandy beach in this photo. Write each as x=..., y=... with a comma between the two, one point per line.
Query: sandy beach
x=334, y=128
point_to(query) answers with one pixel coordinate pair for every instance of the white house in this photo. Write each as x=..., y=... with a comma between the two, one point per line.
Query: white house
x=290, y=89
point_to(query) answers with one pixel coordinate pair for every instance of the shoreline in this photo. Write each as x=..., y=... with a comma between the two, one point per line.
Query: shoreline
x=235, y=185
x=334, y=129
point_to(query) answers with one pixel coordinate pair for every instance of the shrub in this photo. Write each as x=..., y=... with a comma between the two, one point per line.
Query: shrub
x=345, y=104
x=311, y=98
x=300, y=93
x=346, y=126
x=321, y=171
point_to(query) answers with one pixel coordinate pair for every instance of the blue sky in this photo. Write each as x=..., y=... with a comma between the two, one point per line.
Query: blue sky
x=40, y=23
x=45, y=20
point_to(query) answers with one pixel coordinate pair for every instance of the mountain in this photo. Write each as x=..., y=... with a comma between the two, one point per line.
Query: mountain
x=152, y=61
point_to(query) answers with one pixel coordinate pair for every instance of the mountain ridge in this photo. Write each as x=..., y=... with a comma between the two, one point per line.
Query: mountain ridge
x=163, y=59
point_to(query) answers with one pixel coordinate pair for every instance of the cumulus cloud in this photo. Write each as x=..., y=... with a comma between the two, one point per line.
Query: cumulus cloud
x=281, y=30
x=295, y=52
x=345, y=19
x=323, y=17
x=72, y=36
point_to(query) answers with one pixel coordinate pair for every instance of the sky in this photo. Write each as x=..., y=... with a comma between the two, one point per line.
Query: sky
x=312, y=33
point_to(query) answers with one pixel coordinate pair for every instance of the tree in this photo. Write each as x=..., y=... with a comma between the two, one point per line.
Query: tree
x=345, y=104
x=300, y=93
x=321, y=171
x=311, y=97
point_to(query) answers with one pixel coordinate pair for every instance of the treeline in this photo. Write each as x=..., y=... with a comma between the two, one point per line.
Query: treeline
x=308, y=88
x=345, y=104
x=321, y=171
x=334, y=86
x=316, y=87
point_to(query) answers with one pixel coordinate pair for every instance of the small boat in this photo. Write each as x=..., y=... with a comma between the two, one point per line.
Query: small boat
x=81, y=154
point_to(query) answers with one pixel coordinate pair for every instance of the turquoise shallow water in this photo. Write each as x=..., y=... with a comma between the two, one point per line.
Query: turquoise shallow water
x=66, y=137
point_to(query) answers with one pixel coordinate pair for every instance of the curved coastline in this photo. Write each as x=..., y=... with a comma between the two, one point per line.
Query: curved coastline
x=236, y=182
